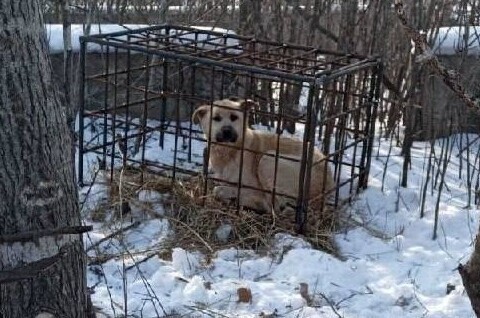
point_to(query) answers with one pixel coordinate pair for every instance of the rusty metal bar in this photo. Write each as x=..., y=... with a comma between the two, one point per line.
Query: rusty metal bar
x=81, y=119
x=115, y=101
x=145, y=114
x=105, y=107
x=209, y=61
x=335, y=79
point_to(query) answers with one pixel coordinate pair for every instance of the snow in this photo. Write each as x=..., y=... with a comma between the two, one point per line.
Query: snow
x=54, y=34
x=450, y=41
x=391, y=268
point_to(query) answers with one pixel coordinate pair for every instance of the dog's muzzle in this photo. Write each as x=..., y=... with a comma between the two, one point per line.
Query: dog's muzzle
x=226, y=134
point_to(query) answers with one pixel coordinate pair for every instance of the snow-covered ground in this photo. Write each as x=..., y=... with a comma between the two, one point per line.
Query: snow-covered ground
x=392, y=266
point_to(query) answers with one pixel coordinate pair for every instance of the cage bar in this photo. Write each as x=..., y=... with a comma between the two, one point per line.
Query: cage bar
x=142, y=95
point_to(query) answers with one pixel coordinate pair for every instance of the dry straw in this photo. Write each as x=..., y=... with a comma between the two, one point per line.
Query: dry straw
x=195, y=219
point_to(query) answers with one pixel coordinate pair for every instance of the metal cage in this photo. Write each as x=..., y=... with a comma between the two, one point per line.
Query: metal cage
x=140, y=86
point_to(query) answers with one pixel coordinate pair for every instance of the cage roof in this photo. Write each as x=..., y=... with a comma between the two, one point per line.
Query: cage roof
x=223, y=48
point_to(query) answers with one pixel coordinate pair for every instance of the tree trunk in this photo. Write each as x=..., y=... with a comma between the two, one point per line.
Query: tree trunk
x=41, y=271
x=250, y=19
x=470, y=273
x=348, y=24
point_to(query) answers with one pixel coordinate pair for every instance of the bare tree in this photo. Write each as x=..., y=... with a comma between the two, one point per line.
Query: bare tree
x=42, y=260
x=470, y=272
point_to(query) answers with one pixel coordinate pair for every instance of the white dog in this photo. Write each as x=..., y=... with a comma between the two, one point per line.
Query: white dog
x=228, y=129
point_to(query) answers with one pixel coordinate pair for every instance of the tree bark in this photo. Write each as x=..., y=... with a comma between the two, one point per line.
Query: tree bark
x=470, y=273
x=37, y=183
x=250, y=19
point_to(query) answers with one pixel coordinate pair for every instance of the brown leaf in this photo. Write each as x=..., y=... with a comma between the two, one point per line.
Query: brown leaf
x=244, y=295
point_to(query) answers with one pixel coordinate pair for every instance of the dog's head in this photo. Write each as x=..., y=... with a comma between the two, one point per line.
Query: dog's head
x=227, y=119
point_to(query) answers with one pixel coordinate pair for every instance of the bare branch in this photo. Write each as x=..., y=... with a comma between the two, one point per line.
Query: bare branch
x=112, y=235
x=426, y=56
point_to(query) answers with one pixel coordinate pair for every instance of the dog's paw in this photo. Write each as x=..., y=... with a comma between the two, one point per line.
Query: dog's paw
x=224, y=193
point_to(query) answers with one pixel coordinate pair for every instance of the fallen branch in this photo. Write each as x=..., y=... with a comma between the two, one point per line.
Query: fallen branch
x=331, y=304
x=101, y=259
x=143, y=260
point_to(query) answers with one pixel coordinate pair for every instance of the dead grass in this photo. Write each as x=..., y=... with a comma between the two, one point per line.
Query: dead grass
x=195, y=218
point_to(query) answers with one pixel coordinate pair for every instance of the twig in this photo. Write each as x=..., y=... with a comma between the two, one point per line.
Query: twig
x=331, y=304
x=440, y=188
x=111, y=235
x=100, y=264
x=370, y=230
x=427, y=180
x=146, y=258
x=353, y=294
x=95, y=175
x=101, y=259
x=274, y=218
x=148, y=287
x=191, y=230
x=418, y=300
x=205, y=311
x=120, y=193
x=467, y=147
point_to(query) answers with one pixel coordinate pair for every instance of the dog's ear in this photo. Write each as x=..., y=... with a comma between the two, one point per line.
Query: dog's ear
x=199, y=113
x=249, y=104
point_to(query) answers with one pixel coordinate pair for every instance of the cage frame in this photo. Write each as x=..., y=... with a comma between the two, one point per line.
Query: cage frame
x=316, y=80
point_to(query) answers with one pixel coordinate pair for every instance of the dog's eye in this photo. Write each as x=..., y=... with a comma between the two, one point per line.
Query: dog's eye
x=233, y=117
x=217, y=118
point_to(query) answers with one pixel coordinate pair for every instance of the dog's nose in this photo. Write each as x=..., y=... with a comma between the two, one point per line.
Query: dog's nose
x=227, y=134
